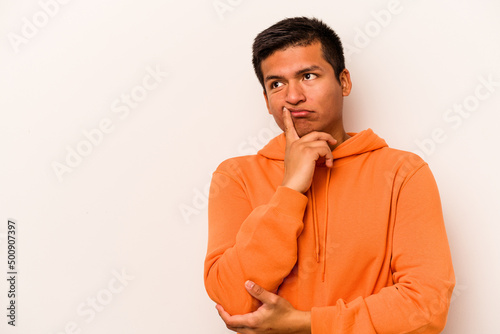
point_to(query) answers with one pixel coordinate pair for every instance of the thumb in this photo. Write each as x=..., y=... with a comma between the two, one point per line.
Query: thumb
x=290, y=132
x=259, y=292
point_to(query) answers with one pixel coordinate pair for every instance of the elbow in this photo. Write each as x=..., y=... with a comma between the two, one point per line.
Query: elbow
x=432, y=317
x=232, y=296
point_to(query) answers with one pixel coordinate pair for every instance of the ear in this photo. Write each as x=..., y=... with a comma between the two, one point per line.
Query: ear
x=345, y=82
x=267, y=101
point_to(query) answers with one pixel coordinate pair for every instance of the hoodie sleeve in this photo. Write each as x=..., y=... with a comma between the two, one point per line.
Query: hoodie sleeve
x=422, y=270
x=245, y=243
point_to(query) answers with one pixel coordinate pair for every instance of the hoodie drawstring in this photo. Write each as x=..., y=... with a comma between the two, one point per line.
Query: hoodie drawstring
x=326, y=222
x=315, y=223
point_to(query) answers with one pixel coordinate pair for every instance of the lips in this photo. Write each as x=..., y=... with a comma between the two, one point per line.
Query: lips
x=299, y=113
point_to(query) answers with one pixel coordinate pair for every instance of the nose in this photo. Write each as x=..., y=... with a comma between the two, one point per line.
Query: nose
x=294, y=94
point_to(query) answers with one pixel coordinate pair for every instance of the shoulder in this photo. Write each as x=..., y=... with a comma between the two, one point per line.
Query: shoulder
x=237, y=165
x=400, y=157
x=401, y=166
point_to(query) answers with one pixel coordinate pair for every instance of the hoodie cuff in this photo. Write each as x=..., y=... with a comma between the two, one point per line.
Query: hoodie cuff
x=289, y=202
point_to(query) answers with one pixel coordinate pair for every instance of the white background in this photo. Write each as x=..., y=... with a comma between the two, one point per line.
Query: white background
x=120, y=209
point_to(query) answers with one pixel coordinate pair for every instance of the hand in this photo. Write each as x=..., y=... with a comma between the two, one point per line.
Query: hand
x=276, y=315
x=301, y=154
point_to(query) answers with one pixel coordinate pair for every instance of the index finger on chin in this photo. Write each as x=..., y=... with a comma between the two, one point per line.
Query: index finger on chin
x=290, y=132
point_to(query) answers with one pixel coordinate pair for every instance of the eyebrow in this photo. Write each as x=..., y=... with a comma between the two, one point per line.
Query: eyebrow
x=298, y=73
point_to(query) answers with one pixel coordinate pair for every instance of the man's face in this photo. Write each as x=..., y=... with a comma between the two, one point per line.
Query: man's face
x=300, y=79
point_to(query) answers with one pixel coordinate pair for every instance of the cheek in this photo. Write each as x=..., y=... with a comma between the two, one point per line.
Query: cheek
x=275, y=105
x=321, y=94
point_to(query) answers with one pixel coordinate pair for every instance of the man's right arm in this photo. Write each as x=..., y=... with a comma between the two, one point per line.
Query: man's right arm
x=249, y=244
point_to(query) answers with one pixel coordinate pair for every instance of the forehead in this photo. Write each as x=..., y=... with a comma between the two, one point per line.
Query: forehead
x=293, y=59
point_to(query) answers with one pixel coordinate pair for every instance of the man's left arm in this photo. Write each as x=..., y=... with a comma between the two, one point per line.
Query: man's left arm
x=423, y=277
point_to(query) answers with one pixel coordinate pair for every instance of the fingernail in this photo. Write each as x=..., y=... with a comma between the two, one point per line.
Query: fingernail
x=249, y=284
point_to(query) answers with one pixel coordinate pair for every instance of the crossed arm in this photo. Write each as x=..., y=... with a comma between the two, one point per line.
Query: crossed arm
x=416, y=303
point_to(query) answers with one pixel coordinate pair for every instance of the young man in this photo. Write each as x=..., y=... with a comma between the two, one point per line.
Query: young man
x=324, y=231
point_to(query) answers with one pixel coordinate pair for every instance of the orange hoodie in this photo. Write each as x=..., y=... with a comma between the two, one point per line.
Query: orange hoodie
x=365, y=249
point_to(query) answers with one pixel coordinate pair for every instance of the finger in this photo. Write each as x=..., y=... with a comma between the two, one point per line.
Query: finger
x=329, y=159
x=290, y=132
x=320, y=144
x=326, y=154
x=233, y=322
x=318, y=139
x=319, y=148
x=321, y=152
x=317, y=135
x=222, y=313
x=259, y=292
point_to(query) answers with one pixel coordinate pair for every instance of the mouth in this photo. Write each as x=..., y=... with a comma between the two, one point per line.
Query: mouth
x=299, y=113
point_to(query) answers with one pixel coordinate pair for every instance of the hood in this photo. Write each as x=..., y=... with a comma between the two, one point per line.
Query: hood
x=362, y=142
x=359, y=143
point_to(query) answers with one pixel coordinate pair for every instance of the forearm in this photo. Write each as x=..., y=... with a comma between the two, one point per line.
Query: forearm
x=389, y=311
x=262, y=248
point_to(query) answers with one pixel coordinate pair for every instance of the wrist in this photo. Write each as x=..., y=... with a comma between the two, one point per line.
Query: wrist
x=293, y=186
x=302, y=322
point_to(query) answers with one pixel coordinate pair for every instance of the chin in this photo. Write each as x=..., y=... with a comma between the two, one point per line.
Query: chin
x=302, y=133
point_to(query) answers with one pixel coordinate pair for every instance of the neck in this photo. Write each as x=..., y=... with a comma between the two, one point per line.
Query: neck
x=341, y=136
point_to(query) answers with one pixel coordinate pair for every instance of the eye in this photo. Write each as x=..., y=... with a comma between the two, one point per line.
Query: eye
x=276, y=84
x=310, y=76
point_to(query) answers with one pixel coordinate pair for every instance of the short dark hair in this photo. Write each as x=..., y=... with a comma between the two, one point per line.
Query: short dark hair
x=298, y=31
